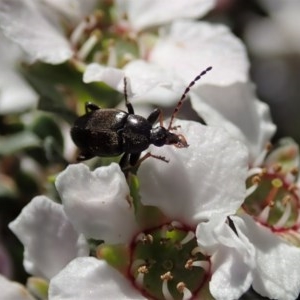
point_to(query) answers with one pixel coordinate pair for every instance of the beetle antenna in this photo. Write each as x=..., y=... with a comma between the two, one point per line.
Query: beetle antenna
x=125, y=90
x=180, y=102
x=127, y=103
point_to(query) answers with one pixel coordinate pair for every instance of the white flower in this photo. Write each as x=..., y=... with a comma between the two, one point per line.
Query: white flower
x=277, y=34
x=227, y=272
x=25, y=24
x=196, y=180
x=149, y=13
x=271, y=221
x=277, y=273
x=49, y=239
x=13, y=291
x=195, y=193
x=36, y=29
x=15, y=94
x=97, y=203
x=93, y=279
x=35, y=26
x=224, y=97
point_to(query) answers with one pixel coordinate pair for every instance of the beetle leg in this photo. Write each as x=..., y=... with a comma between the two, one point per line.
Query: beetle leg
x=127, y=103
x=149, y=154
x=135, y=159
x=124, y=160
x=152, y=118
x=91, y=106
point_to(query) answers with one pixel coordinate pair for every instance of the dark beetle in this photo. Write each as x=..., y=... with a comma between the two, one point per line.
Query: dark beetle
x=111, y=132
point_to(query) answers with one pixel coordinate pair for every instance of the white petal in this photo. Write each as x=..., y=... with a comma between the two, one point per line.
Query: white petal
x=277, y=34
x=113, y=77
x=232, y=258
x=285, y=15
x=12, y=290
x=142, y=78
x=15, y=94
x=204, y=179
x=264, y=37
x=22, y=22
x=153, y=83
x=278, y=263
x=49, y=239
x=74, y=9
x=97, y=203
x=92, y=279
x=198, y=45
x=147, y=13
x=236, y=109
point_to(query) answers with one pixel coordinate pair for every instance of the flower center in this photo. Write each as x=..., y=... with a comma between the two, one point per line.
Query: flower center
x=273, y=200
x=101, y=38
x=166, y=263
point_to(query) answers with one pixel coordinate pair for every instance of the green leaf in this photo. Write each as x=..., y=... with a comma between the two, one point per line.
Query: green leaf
x=56, y=83
x=45, y=127
x=14, y=143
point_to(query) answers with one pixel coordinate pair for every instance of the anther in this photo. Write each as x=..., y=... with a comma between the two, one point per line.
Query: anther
x=165, y=289
x=139, y=280
x=269, y=146
x=295, y=171
x=277, y=167
x=164, y=241
x=143, y=269
x=255, y=182
x=144, y=238
x=190, y=263
x=256, y=179
x=292, y=188
x=136, y=265
x=167, y=276
x=182, y=289
x=256, y=171
x=286, y=199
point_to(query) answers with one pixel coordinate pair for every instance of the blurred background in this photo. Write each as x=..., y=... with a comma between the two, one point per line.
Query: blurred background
x=29, y=159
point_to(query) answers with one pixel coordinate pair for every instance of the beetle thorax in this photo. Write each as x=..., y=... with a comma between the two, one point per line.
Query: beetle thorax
x=136, y=134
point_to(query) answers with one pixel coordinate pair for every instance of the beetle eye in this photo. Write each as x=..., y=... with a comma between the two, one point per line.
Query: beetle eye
x=182, y=143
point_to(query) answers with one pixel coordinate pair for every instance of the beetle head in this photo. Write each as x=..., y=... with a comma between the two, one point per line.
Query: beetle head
x=161, y=136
